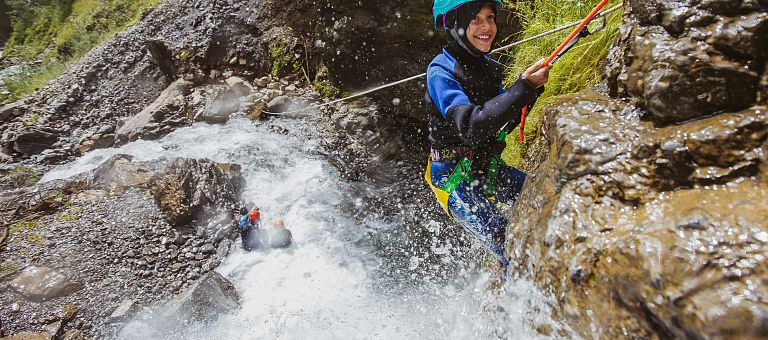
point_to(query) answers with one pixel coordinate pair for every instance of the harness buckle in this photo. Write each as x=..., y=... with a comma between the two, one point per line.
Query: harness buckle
x=451, y=154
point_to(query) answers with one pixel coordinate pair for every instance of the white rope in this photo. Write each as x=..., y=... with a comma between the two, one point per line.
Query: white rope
x=500, y=49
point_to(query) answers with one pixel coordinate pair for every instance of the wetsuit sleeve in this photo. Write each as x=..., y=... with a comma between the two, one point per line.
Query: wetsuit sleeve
x=477, y=123
x=242, y=222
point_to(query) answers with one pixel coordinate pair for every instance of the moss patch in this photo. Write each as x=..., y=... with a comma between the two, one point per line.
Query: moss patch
x=283, y=59
x=576, y=70
x=70, y=215
x=322, y=84
x=22, y=177
x=22, y=226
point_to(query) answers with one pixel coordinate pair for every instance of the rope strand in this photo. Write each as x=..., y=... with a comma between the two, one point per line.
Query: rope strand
x=500, y=49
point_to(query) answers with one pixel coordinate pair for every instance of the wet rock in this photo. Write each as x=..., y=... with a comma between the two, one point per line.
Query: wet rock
x=239, y=86
x=208, y=249
x=96, y=141
x=283, y=104
x=120, y=173
x=742, y=37
x=208, y=297
x=162, y=56
x=33, y=142
x=677, y=79
x=166, y=113
x=122, y=309
x=223, y=249
x=187, y=189
x=42, y=284
x=221, y=105
x=217, y=228
x=650, y=228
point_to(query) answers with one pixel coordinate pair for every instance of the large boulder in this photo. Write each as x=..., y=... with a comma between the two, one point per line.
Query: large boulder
x=40, y=284
x=209, y=297
x=161, y=117
x=657, y=232
x=188, y=189
x=34, y=141
x=689, y=59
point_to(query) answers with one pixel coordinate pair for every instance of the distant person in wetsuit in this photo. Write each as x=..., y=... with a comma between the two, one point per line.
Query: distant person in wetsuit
x=249, y=225
x=281, y=237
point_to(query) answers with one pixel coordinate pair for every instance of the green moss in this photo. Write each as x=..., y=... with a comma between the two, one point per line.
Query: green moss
x=59, y=32
x=282, y=58
x=70, y=216
x=35, y=238
x=31, y=119
x=7, y=267
x=184, y=56
x=576, y=70
x=322, y=84
x=22, y=176
x=22, y=226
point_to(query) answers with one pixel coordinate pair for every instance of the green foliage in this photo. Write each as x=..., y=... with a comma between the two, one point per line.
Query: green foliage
x=322, y=85
x=576, y=70
x=24, y=84
x=58, y=32
x=282, y=57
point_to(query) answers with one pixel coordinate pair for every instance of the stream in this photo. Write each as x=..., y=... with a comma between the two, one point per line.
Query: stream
x=336, y=281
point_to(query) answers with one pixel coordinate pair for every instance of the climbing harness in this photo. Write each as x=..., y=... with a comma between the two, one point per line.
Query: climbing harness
x=581, y=24
x=463, y=173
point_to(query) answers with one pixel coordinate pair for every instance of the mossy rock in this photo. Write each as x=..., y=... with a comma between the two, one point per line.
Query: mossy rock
x=322, y=84
x=19, y=177
x=284, y=60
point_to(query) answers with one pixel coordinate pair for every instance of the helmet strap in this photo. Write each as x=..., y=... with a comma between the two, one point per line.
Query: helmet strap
x=464, y=43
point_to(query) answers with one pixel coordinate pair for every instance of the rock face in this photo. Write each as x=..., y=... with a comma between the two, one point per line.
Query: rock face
x=640, y=228
x=164, y=115
x=188, y=189
x=124, y=75
x=103, y=230
x=210, y=296
x=687, y=59
x=201, y=41
x=41, y=283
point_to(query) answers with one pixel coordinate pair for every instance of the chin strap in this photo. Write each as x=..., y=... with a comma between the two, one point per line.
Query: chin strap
x=473, y=51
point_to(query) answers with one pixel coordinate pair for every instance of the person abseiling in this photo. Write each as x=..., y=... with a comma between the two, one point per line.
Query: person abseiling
x=280, y=237
x=470, y=113
x=249, y=225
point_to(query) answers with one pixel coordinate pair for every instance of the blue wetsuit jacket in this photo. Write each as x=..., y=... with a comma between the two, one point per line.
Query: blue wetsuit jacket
x=467, y=106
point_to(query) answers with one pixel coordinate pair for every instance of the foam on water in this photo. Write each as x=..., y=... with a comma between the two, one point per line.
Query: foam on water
x=322, y=286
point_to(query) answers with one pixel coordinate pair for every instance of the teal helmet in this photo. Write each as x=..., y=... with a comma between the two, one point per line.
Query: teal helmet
x=442, y=7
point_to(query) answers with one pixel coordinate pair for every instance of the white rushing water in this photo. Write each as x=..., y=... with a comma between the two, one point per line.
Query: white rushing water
x=330, y=283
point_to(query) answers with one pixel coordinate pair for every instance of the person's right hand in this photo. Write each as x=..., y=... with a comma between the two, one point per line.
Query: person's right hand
x=537, y=75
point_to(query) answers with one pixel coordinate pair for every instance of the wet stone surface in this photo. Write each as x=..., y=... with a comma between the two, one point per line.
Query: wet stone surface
x=689, y=59
x=112, y=244
x=658, y=232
